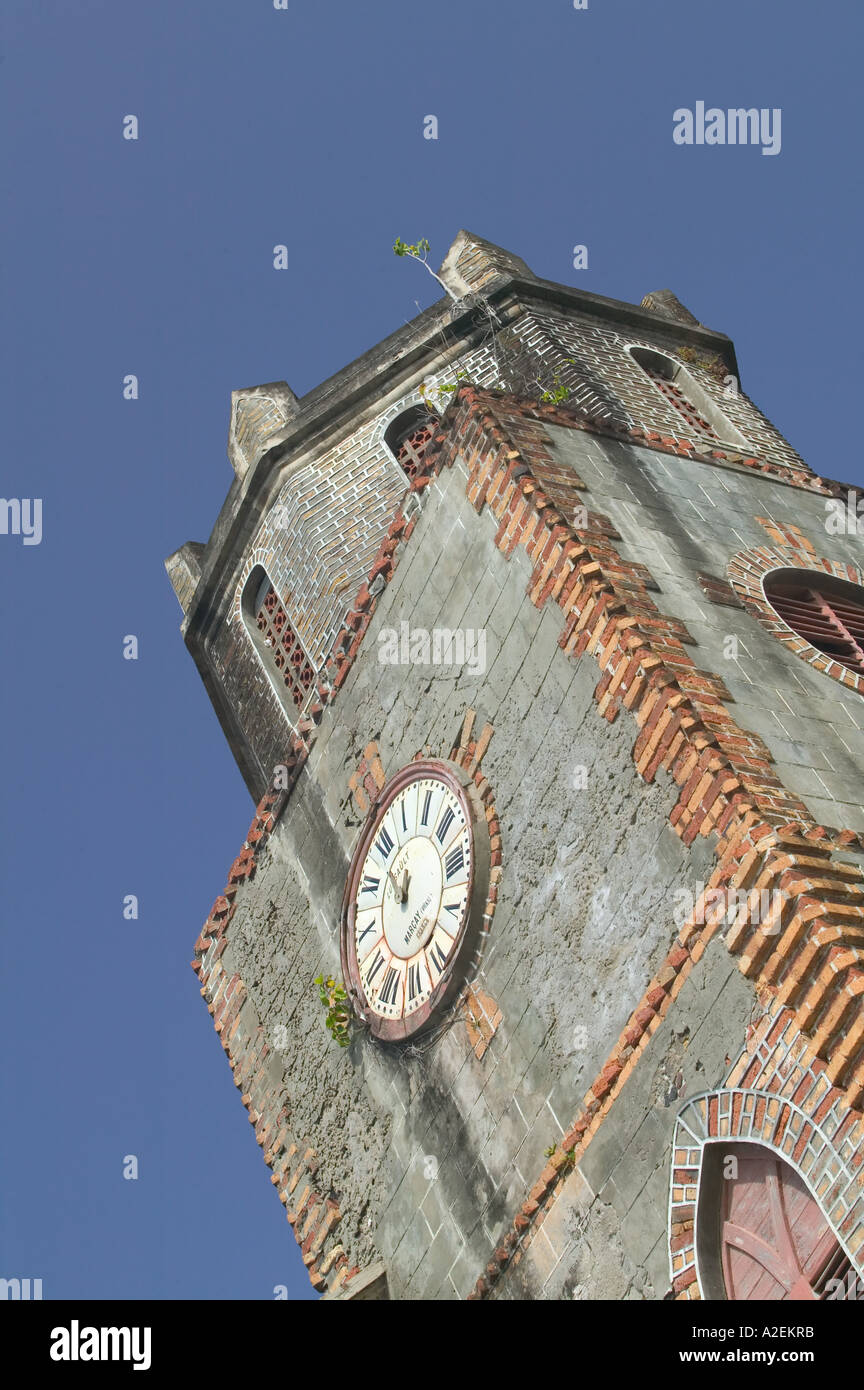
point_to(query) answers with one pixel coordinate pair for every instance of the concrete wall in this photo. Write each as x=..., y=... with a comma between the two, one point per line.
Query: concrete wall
x=329, y=512
x=682, y=517
x=432, y=1150
x=607, y=1236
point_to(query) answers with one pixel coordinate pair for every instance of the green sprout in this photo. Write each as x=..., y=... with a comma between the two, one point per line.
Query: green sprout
x=335, y=1000
x=418, y=251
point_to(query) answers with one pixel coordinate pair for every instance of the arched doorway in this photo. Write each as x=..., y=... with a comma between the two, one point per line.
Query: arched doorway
x=770, y=1238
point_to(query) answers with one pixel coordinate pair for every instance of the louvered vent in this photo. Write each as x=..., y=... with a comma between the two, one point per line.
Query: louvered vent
x=830, y=618
x=833, y=1280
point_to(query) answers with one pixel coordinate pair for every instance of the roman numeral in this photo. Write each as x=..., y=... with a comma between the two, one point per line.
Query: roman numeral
x=415, y=982
x=390, y=987
x=370, y=884
x=444, y=825
x=454, y=862
x=404, y=822
x=455, y=908
x=427, y=801
x=374, y=968
x=365, y=932
x=384, y=844
x=437, y=956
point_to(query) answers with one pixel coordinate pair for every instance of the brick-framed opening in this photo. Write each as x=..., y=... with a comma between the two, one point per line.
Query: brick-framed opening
x=785, y=564
x=803, y=1140
x=828, y=612
x=282, y=654
x=580, y=572
x=682, y=391
x=409, y=436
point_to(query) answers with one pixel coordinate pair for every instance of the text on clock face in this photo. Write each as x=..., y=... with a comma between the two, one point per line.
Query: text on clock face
x=412, y=897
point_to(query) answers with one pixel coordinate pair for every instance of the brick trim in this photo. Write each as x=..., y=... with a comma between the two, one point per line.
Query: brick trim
x=747, y=570
x=313, y=1214
x=724, y=773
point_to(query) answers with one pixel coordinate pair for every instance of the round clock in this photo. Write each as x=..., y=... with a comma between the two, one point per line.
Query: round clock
x=415, y=897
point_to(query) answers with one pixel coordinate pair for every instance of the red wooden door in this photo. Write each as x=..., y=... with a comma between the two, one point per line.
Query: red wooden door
x=775, y=1241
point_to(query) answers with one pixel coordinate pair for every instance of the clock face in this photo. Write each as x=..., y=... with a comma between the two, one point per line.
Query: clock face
x=409, y=898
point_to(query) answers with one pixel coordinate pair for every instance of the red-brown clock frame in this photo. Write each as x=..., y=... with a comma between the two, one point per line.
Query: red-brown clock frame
x=461, y=784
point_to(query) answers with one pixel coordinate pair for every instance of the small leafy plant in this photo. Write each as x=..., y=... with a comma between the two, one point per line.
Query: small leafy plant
x=447, y=389
x=568, y=1159
x=335, y=1000
x=418, y=251
x=560, y=392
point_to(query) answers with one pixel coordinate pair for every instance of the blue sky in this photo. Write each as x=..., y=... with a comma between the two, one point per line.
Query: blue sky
x=155, y=257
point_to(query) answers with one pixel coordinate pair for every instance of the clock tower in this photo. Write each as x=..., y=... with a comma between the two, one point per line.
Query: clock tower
x=540, y=967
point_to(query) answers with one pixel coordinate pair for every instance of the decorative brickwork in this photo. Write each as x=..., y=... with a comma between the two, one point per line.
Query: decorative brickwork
x=747, y=572
x=332, y=539
x=313, y=1215
x=777, y=1096
x=331, y=513
x=724, y=776
x=723, y=772
x=408, y=439
x=482, y=1017
x=718, y=591
x=289, y=664
x=367, y=780
x=607, y=385
x=685, y=408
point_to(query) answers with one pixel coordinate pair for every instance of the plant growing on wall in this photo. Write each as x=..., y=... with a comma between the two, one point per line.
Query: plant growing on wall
x=443, y=391
x=501, y=342
x=335, y=1000
x=418, y=251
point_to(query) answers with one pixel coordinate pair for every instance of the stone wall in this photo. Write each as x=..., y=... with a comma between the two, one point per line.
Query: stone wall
x=430, y=1152
x=682, y=518
x=328, y=517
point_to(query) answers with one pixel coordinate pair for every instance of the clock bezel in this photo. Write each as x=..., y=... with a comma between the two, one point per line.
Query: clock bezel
x=460, y=782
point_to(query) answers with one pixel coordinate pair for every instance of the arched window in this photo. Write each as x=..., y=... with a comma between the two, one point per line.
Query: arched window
x=676, y=385
x=762, y=1234
x=826, y=611
x=407, y=437
x=275, y=640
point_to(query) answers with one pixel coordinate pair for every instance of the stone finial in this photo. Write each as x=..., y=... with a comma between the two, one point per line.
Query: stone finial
x=257, y=413
x=472, y=263
x=669, y=305
x=184, y=571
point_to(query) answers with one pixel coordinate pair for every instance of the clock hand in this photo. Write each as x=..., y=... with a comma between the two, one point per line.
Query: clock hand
x=395, y=882
x=406, y=879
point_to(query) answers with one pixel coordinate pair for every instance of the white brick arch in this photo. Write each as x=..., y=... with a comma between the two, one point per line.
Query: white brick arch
x=740, y=1115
